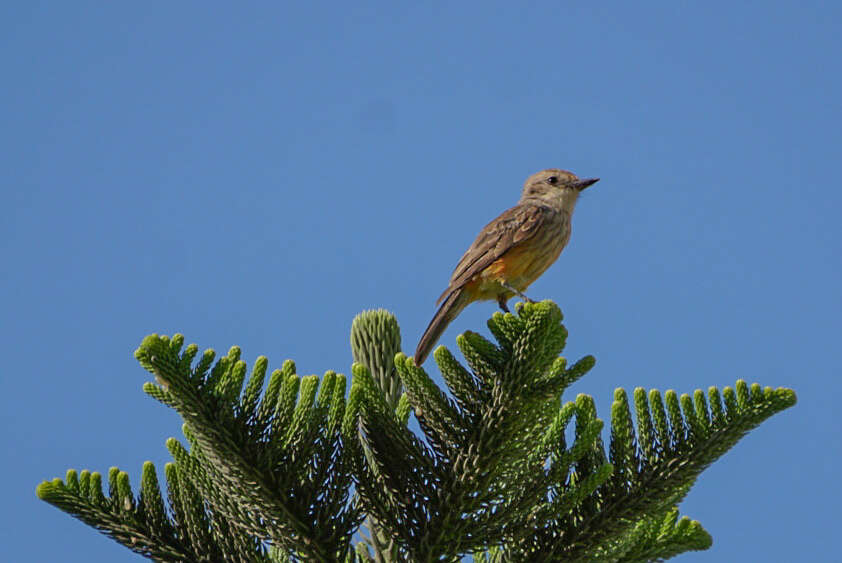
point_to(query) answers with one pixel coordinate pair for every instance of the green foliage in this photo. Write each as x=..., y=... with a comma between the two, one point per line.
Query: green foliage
x=375, y=340
x=257, y=473
x=493, y=473
x=268, y=468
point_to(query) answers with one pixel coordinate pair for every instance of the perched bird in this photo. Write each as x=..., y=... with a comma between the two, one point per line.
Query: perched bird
x=512, y=251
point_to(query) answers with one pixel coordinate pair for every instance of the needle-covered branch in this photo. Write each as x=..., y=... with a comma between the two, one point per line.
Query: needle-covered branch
x=493, y=470
x=278, y=467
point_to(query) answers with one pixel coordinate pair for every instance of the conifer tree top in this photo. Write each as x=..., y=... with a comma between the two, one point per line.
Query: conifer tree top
x=287, y=468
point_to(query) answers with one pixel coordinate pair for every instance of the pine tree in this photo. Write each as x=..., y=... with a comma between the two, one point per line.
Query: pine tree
x=291, y=472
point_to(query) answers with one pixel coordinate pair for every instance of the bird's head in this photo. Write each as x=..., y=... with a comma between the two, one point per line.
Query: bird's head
x=558, y=188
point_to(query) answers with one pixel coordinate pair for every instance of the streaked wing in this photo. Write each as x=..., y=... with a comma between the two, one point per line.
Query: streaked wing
x=512, y=227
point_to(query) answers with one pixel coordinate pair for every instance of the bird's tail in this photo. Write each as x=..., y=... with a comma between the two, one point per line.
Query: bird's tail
x=452, y=306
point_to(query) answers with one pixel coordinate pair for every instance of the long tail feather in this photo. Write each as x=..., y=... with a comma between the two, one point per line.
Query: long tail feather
x=452, y=306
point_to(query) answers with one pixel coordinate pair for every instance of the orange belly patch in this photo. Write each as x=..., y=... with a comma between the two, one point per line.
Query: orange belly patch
x=518, y=267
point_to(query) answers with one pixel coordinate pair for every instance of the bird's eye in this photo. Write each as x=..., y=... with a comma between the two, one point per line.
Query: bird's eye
x=553, y=179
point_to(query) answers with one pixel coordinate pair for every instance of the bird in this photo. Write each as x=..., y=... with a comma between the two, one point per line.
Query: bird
x=511, y=251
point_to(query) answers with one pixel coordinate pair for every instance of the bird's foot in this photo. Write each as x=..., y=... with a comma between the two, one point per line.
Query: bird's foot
x=503, y=305
x=520, y=294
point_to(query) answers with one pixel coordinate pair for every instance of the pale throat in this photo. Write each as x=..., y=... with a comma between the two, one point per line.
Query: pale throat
x=562, y=200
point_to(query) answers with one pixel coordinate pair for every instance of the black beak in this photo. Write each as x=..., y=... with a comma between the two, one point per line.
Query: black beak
x=584, y=183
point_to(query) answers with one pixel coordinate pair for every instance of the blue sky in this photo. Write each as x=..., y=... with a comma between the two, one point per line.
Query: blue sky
x=258, y=175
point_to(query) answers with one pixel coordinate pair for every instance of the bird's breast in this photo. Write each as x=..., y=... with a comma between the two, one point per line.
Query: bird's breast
x=525, y=262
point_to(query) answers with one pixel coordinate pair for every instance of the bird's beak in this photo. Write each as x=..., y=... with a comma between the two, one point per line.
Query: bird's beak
x=584, y=183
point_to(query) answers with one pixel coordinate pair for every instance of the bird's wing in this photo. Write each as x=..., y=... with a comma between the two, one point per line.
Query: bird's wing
x=511, y=228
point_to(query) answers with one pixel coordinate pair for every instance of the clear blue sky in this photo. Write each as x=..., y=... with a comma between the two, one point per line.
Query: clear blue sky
x=259, y=175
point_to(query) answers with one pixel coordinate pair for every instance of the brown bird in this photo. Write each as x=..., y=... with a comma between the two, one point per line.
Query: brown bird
x=512, y=251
